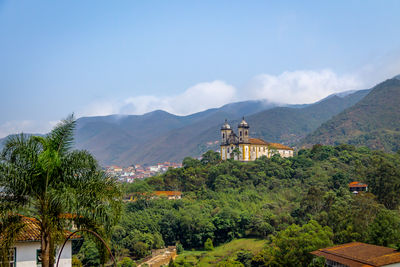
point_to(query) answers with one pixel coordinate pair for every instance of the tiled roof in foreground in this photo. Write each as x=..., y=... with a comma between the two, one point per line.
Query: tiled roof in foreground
x=31, y=230
x=358, y=254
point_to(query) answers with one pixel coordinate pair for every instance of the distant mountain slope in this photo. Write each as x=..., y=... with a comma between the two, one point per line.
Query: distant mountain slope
x=289, y=125
x=374, y=121
x=280, y=124
x=125, y=139
x=160, y=136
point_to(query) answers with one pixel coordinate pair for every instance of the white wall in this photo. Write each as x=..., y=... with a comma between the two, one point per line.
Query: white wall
x=26, y=254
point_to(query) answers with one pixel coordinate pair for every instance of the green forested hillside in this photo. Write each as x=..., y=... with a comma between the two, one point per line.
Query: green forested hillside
x=373, y=122
x=295, y=204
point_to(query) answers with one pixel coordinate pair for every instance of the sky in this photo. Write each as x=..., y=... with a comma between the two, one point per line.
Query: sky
x=97, y=57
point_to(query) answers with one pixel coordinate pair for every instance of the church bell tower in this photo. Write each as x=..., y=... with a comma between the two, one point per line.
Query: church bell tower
x=243, y=129
x=225, y=132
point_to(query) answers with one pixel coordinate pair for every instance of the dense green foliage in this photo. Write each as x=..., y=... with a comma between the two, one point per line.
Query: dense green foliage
x=296, y=204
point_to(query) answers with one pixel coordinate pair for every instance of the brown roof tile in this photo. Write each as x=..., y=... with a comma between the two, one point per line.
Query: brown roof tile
x=257, y=141
x=358, y=254
x=357, y=184
x=31, y=230
x=279, y=146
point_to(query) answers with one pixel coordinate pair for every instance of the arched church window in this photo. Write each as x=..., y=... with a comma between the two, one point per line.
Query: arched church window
x=245, y=133
x=223, y=135
x=240, y=133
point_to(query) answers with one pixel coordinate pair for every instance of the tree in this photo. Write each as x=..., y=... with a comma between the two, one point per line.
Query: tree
x=126, y=262
x=292, y=246
x=384, y=230
x=45, y=179
x=211, y=157
x=208, y=245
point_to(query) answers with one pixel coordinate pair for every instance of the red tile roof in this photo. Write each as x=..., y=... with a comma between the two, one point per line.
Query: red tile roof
x=279, y=146
x=31, y=230
x=257, y=141
x=358, y=254
x=357, y=184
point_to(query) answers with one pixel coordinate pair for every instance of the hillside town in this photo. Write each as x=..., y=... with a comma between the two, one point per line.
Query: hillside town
x=137, y=171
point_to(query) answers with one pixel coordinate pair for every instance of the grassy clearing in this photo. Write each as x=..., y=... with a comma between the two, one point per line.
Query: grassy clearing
x=220, y=253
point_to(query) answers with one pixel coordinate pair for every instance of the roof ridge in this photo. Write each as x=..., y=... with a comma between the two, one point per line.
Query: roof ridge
x=348, y=257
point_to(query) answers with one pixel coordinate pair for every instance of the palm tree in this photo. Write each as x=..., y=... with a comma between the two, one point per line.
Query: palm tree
x=42, y=177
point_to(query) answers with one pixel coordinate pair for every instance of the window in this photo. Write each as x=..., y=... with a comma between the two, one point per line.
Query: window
x=39, y=257
x=240, y=133
x=223, y=135
x=228, y=149
x=11, y=258
x=245, y=133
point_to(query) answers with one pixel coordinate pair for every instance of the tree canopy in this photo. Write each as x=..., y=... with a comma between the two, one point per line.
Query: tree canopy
x=43, y=178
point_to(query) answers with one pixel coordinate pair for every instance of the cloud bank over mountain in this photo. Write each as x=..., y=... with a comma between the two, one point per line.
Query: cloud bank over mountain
x=291, y=87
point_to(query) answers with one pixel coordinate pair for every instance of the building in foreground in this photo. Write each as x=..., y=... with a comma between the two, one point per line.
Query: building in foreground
x=358, y=254
x=26, y=250
x=242, y=147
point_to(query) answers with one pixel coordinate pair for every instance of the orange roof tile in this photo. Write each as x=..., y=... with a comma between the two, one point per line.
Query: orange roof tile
x=279, y=146
x=257, y=141
x=358, y=254
x=357, y=184
x=31, y=230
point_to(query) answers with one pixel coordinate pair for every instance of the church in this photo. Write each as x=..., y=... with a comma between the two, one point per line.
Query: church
x=242, y=147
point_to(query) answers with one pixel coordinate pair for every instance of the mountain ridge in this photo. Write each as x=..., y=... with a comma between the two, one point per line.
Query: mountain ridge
x=159, y=136
x=374, y=121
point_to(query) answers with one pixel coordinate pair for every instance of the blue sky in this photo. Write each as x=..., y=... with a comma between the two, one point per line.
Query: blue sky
x=103, y=57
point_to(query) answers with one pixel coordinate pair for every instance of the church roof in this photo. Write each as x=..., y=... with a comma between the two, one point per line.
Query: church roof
x=279, y=146
x=226, y=126
x=243, y=124
x=259, y=141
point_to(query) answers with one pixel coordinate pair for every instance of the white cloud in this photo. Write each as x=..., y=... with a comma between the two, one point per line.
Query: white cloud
x=100, y=108
x=291, y=87
x=196, y=98
x=299, y=87
x=26, y=126
x=295, y=87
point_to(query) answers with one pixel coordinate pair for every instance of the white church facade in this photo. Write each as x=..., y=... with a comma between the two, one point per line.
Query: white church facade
x=242, y=147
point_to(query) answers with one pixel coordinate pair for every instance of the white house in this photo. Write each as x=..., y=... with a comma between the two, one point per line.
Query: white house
x=26, y=250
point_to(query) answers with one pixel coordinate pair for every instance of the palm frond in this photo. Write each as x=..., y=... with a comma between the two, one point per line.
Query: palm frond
x=62, y=136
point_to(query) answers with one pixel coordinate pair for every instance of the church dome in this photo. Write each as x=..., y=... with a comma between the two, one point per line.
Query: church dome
x=243, y=124
x=226, y=126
